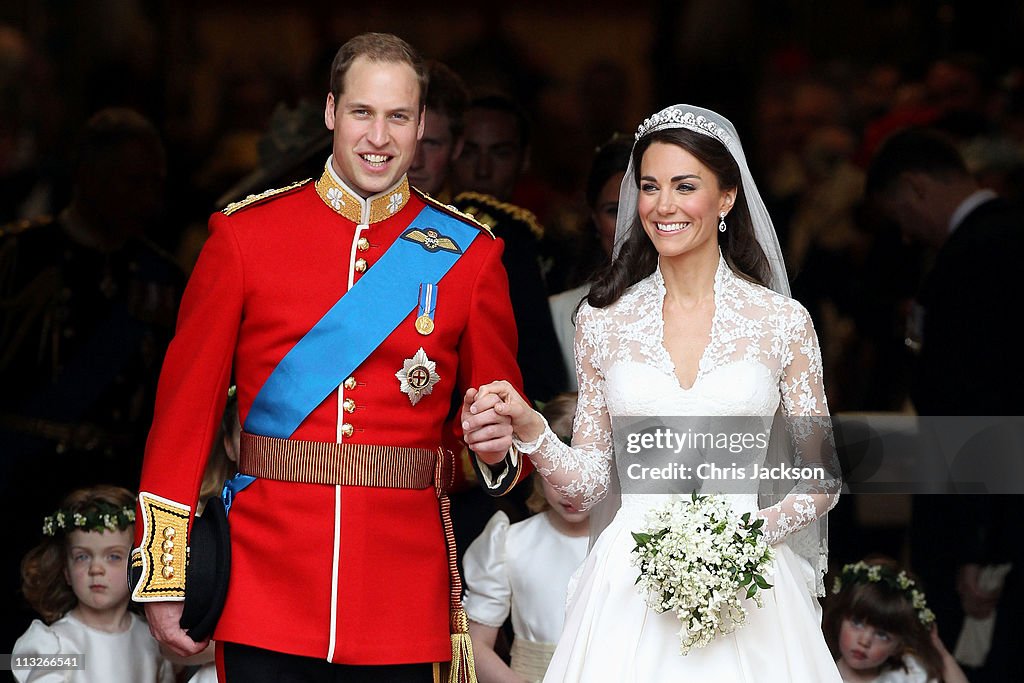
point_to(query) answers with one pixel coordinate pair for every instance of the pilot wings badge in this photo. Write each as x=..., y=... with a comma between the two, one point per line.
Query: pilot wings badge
x=431, y=240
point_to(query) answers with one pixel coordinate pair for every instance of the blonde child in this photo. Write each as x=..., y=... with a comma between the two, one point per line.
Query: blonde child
x=880, y=629
x=76, y=579
x=524, y=569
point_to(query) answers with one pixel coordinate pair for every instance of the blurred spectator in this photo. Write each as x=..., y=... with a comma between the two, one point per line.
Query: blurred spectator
x=966, y=361
x=442, y=132
x=602, y=196
x=496, y=149
x=24, y=119
x=494, y=153
x=88, y=308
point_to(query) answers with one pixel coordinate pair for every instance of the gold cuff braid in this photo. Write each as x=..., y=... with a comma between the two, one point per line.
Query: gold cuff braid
x=162, y=555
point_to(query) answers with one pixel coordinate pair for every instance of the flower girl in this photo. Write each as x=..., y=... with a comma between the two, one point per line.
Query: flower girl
x=524, y=568
x=878, y=625
x=76, y=579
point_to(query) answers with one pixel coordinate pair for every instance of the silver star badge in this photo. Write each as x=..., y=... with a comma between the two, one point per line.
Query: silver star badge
x=418, y=377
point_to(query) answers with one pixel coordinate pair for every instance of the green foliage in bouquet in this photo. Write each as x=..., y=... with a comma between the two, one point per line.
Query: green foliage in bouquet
x=696, y=557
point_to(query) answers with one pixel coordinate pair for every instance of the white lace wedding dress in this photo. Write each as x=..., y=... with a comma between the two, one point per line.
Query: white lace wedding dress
x=762, y=351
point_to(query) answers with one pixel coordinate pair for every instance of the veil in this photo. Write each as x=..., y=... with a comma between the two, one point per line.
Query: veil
x=811, y=541
x=705, y=122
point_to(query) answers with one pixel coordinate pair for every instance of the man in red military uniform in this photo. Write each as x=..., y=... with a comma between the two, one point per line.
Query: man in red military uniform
x=352, y=313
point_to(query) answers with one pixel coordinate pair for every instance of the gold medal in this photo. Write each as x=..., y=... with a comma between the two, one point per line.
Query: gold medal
x=424, y=325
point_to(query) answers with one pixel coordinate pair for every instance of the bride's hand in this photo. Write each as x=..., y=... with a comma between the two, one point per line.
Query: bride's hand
x=486, y=412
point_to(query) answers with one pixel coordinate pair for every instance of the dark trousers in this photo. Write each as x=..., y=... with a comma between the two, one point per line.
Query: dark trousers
x=244, y=664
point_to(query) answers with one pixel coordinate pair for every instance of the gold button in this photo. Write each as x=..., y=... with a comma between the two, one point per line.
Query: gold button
x=363, y=244
x=360, y=265
x=167, y=558
x=350, y=383
x=169, y=532
x=168, y=546
x=349, y=405
x=168, y=572
x=346, y=429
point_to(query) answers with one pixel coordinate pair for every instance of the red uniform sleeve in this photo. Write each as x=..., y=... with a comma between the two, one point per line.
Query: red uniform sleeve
x=189, y=404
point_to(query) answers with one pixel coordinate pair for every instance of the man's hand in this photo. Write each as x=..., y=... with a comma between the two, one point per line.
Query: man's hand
x=487, y=433
x=164, y=623
x=491, y=414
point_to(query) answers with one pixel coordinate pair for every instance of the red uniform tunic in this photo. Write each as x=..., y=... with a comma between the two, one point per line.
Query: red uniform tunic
x=356, y=575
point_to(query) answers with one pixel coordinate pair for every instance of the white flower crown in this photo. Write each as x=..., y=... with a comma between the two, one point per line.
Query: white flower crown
x=863, y=572
x=98, y=516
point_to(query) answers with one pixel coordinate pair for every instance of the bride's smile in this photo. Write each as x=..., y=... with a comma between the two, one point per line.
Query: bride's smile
x=680, y=201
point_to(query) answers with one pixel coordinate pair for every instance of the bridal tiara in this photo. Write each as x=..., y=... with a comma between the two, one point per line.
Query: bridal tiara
x=673, y=118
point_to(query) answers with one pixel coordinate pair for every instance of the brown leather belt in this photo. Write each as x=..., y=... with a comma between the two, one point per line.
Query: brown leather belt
x=315, y=462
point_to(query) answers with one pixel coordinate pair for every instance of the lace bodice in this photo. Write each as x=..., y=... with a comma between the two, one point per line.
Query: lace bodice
x=762, y=356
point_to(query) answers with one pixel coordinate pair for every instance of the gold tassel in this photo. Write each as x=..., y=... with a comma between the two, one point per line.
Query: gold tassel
x=463, y=667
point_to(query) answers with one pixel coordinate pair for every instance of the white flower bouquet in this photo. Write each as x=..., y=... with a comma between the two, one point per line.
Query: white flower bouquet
x=696, y=557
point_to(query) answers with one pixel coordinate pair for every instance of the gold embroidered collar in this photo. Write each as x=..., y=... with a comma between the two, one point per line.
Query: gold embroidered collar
x=344, y=201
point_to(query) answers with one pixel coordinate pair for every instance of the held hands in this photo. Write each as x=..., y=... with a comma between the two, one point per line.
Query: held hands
x=491, y=414
x=164, y=623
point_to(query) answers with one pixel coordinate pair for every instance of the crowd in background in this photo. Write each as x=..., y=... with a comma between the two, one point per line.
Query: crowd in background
x=810, y=126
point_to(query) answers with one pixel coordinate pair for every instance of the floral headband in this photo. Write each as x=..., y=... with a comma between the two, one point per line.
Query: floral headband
x=98, y=516
x=862, y=572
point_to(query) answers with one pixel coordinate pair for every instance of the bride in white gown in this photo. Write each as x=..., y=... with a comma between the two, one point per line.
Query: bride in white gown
x=692, y=319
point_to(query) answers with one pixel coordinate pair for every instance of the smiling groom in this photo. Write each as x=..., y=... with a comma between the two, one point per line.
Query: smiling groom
x=351, y=313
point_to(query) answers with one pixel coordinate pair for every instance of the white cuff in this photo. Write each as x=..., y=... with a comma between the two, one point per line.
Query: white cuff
x=492, y=480
x=532, y=446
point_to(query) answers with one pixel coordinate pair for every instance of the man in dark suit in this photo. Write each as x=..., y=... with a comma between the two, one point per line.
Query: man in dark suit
x=495, y=153
x=968, y=365
x=922, y=183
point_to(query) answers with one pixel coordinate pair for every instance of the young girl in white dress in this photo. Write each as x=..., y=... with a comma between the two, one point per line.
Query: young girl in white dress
x=524, y=569
x=880, y=629
x=76, y=579
x=692, y=318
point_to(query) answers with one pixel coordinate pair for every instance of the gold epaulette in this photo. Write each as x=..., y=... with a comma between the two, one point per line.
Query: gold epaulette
x=254, y=199
x=161, y=558
x=452, y=211
x=23, y=225
x=517, y=213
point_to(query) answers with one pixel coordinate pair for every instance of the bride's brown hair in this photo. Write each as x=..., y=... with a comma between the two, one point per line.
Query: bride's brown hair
x=638, y=258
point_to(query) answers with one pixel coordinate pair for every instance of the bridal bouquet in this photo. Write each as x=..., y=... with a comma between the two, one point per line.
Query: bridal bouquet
x=696, y=558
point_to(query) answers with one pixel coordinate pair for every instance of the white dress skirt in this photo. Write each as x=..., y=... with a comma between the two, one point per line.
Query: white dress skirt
x=611, y=635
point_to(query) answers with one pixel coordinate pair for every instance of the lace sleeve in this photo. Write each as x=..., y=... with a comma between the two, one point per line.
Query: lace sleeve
x=580, y=472
x=805, y=412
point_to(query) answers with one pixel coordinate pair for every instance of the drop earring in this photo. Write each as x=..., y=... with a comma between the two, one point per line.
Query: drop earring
x=721, y=222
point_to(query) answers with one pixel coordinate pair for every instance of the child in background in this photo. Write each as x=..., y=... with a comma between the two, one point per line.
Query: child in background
x=223, y=461
x=524, y=568
x=76, y=579
x=880, y=629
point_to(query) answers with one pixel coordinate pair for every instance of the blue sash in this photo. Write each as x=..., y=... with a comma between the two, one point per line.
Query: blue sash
x=357, y=324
